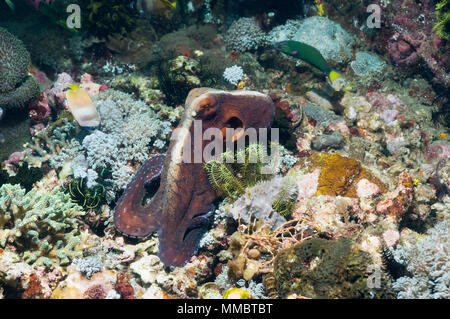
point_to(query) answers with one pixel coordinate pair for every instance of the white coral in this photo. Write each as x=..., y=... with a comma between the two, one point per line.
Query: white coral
x=427, y=260
x=233, y=74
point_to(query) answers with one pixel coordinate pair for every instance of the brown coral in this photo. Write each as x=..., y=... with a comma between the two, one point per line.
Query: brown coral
x=123, y=286
x=95, y=292
x=34, y=288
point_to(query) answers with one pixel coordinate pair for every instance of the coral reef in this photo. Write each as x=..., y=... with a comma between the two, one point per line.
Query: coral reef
x=333, y=42
x=126, y=133
x=339, y=175
x=346, y=197
x=412, y=43
x=265, y=201
x=367, y=63
x=233, y=74
x=42, y=226
x=427, y=261
x=318, y=268
x=16, y=87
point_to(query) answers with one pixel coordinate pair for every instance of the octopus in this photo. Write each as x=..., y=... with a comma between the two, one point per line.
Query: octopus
x=183, y=197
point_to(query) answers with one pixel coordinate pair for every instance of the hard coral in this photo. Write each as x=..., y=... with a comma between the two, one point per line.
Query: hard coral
x=428, y=263
x=245, y=35
x=42, y=226
x=16, y=86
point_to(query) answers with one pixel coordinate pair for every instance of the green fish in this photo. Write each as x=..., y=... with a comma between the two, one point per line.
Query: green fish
x=311, y=55
x=10, y=4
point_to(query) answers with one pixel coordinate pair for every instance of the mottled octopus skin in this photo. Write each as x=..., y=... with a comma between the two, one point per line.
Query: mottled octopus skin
x=184, y=194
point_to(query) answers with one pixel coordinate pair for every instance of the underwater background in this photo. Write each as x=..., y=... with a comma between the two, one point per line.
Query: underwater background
x=98, y=98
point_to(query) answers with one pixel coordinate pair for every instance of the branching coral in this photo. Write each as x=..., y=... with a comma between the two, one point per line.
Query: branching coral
x=41, y=225
x=125, y=136
x=16, y=86
x=245, y=35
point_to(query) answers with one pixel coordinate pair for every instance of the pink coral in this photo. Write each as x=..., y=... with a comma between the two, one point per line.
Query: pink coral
x=14, y=158
x=397, y=202
x=39, y=109
x=365, y=188
x=437, y=151
x=391, y=237
x=307, y=186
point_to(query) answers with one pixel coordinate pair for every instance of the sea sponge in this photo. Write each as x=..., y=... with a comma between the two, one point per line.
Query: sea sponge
x=320, y=268
x=16, y=86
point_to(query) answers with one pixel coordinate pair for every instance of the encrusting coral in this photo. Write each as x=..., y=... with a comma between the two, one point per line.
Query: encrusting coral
x=339, y=175
x=41, y=225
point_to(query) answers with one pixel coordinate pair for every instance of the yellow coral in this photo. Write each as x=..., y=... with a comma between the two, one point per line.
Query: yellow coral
x=339, y=175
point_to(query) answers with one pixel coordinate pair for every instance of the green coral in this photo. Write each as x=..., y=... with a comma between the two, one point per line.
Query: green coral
x=41, y=225
x=16, y=86
x=442, y=27
x=234, y=173
x=320, y=268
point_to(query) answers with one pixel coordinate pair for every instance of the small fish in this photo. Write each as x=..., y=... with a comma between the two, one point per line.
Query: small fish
x=319, y=8
x=82, y=107
x=156, y=7
x=313, y=56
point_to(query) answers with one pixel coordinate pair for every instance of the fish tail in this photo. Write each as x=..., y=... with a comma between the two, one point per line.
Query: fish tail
x=333, y=75
x=174, y=4
x=74, y=87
